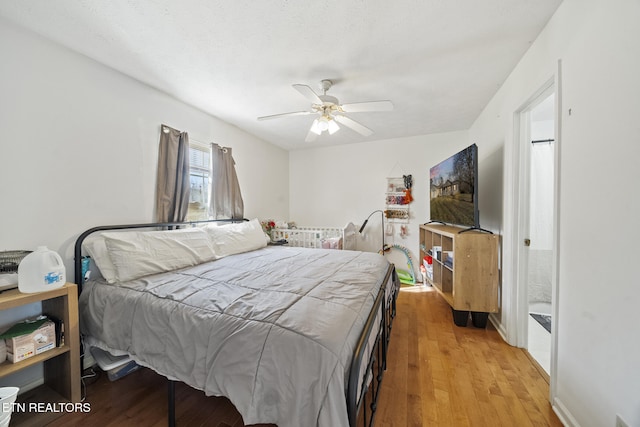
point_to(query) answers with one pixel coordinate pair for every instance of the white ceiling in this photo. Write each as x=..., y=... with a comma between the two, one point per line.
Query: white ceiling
x=438, y=61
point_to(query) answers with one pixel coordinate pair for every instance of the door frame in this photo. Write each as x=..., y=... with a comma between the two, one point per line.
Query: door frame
x=524, y=214
x=517, y=176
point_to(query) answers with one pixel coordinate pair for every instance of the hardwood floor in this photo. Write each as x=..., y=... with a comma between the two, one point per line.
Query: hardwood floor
x=438, y=375
x=442, y=375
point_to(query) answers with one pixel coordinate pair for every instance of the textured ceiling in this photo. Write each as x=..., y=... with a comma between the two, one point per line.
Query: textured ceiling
x=438, y=61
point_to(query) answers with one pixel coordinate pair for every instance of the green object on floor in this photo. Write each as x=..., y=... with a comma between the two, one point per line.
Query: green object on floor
x=405, y=277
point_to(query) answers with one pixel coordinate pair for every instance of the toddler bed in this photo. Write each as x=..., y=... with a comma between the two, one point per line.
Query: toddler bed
x=292, y=336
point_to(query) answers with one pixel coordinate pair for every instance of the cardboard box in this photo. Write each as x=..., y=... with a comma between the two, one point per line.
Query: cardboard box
x=28, y=338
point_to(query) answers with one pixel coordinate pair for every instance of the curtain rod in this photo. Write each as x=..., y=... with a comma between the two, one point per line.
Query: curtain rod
x=220, y=147
x=537, y=141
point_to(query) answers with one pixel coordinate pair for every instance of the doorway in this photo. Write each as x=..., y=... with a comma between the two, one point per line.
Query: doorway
x=537, y=219
x=539, y=246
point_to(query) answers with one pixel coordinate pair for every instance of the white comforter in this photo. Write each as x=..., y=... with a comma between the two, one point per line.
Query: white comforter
x=273, y=329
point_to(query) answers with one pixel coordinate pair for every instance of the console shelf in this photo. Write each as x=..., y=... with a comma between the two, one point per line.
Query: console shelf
x=61, y=364
x=465, y=270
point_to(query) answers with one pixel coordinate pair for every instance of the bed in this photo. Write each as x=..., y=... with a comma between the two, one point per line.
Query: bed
x=292, y=336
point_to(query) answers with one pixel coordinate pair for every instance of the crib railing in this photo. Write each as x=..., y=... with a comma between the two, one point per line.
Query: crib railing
x=317, y=237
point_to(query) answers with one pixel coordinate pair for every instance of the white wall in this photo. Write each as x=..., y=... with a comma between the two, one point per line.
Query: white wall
x=337, y=184
x=331, y=186
x=78, y=148
x=598, y=343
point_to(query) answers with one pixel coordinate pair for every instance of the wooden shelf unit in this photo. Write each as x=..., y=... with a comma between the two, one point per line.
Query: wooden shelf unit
x=61, y=364
x=469, y=283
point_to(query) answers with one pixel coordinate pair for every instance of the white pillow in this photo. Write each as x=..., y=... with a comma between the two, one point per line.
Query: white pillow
x=141, y=253
x=236, y=238
x=96, y=248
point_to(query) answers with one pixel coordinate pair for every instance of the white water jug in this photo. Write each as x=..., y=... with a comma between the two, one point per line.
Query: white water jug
x=41, y=270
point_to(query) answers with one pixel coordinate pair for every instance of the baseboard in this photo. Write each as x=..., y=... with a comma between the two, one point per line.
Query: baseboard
x=563, y=413
x=498, y=326
x=537, y=365
x=30, y=386
x=88, y=361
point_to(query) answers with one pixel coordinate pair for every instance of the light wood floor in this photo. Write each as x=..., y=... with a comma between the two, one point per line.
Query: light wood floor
x=438, y=375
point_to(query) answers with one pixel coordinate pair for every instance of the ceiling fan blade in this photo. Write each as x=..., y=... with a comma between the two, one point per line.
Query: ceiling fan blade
x=358, y=107
x=352, y=124
x=308, y=93
x=277, y=116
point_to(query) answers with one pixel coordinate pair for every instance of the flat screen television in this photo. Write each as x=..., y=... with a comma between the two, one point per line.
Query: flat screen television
x=454, y=189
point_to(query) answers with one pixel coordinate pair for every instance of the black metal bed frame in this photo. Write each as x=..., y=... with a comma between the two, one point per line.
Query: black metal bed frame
x=361, y=401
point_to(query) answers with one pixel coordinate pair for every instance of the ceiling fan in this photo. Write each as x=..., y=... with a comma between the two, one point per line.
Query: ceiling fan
x=332, y=112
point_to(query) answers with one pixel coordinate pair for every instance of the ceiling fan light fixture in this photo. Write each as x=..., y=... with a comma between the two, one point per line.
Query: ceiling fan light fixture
x=323, y=123
x=332, y=114
x=315, y=127
x=333, y=127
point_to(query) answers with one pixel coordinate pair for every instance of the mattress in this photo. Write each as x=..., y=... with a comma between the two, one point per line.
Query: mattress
x=272, y=329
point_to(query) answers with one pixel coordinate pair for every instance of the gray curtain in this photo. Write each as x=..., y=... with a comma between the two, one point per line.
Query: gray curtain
x=225, y=199
x=172, y=186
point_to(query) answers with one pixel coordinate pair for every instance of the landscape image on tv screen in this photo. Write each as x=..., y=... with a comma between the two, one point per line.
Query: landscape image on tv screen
x=453, y=189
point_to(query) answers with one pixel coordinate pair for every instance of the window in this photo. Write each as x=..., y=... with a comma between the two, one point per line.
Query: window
x=199, y=163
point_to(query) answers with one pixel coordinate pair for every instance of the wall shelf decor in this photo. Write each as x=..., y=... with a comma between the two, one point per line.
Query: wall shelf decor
x=396, y=200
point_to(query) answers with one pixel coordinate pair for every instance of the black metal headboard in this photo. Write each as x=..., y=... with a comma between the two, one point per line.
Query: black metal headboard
x=77, y=252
